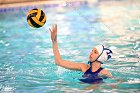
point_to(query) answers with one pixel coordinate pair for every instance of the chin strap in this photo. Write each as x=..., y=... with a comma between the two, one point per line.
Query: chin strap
x=105, y=54
x=90, y=63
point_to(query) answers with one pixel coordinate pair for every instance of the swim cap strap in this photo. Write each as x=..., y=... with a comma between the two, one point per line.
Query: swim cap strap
x=90, y=63
x=104, y=54
x=99, y=55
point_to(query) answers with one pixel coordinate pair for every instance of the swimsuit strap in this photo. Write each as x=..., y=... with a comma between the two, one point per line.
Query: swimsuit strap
x=98, y=70
x=90, y=70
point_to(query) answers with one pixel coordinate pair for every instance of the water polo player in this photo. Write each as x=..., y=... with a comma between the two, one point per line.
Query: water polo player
x=93, y=71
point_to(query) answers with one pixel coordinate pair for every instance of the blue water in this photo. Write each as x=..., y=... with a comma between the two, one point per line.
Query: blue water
x=27, y=61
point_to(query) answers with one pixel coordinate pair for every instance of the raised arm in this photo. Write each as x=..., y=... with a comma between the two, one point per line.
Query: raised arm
x=58, y=59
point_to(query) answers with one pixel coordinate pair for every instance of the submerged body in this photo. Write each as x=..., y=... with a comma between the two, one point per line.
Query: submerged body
x=92, y=77
x=95, y=56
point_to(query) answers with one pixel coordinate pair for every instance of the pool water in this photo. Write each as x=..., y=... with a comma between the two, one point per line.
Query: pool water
x=27, y=61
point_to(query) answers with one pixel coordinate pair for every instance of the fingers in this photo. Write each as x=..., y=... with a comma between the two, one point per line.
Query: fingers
x=54, y=28
x=50, y=30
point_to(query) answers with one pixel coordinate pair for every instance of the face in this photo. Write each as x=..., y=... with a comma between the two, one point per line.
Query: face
x=93, y=55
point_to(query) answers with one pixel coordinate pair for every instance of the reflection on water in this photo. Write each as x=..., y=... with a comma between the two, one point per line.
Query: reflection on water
x=27, y=62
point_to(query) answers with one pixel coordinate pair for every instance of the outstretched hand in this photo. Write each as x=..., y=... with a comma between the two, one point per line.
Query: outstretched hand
x=53, y=33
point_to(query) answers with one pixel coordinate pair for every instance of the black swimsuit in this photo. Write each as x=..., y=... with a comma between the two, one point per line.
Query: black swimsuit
x=92, y=77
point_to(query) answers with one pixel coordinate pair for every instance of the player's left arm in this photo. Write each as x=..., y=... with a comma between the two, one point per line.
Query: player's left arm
x=105, y=73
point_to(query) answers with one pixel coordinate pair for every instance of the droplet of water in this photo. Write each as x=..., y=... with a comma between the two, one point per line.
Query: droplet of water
x=135, y=46
x=1, y=41
x=64, y=4
x=29, y=53
x=4, y=31
x=132, y=28
x=7, y=44
x=8, y=89
x=37, y=46
x=113, y=47
x=8, y=52
x=121, y=56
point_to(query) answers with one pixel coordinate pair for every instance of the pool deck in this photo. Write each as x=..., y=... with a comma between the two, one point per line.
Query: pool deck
x=22, y=4
x=30, y=3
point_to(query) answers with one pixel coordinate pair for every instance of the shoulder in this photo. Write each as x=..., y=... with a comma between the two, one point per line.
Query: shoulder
x=84, y=67
x=106, y=72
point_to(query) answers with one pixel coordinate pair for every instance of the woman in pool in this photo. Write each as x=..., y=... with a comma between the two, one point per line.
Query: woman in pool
x=93, y=71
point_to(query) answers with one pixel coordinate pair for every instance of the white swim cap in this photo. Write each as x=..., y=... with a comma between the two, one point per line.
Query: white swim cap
x=104, y=53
